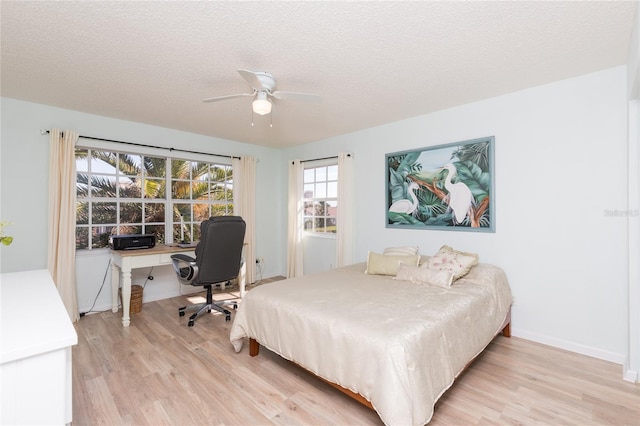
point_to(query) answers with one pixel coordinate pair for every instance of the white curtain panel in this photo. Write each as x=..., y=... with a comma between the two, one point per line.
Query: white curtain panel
x=244, y=202
x=344, y=235
x=294, y=228
x=61, y=257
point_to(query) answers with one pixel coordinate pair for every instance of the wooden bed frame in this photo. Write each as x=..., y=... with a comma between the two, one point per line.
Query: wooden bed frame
x=254, y=349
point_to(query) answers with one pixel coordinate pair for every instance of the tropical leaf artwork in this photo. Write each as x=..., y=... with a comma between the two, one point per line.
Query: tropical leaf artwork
x=447, y=186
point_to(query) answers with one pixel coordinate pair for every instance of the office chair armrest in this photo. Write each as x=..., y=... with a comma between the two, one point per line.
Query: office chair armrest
x=185, y=268
x=183, y=257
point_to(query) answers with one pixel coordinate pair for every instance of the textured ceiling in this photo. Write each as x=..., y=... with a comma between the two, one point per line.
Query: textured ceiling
x=371, y=62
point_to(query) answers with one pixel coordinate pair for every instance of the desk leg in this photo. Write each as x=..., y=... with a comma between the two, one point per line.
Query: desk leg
x=115, y=284
x=126, y=296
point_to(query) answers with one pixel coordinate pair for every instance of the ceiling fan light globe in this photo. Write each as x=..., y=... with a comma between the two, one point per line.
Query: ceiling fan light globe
x=262, y=106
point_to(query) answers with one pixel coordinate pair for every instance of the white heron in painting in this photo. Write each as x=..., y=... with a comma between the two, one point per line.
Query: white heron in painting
x=406, y=206
x=460, y=197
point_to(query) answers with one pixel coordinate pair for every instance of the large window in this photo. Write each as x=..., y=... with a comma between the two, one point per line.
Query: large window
x=123, y=193
x=320, y=199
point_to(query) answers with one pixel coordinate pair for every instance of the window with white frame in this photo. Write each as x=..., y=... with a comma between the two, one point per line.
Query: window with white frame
x=124, y=193
x=320, y=199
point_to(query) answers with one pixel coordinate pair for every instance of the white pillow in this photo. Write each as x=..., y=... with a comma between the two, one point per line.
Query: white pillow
x=420, y=275
x=447, y=259
x=402, y=251
x=388, y=264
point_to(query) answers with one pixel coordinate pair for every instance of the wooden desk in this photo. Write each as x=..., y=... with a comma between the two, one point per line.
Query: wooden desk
x=35, y=358
x=123, y=261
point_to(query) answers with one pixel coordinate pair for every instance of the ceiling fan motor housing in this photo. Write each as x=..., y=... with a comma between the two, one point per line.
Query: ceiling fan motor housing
x=267, y=80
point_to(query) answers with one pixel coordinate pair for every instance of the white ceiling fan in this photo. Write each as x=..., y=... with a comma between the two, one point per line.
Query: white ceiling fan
x=263, y=85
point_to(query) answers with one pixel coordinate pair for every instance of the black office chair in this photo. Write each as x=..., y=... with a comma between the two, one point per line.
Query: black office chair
x=218, y=260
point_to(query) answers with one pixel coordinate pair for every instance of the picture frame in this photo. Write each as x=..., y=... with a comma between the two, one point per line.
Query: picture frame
x=448, y=187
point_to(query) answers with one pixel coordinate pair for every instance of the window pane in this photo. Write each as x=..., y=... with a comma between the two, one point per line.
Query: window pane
x=308, y=224
x=332, y=209
x=332, y=189
x=103, y=162
x=321, y=190
x=331, y=225
x=129, y=229
x=196, y=232
x=154, y=166
x=129, y=187
x=182, y=233
x=180, y=169
x=332, y=173
x=100, y=236
x=154, y=188
x=200, y=190
x=82, y=238
x=308, y=208
x=82, y=160
x=183, y=210
x=180, y=190
x=308, y=190
x=321, y=174
x=103, y=213
x=130, y=212
x=319, y=224
x=82, y=213
x=200, y=171
x=82, y=185
x=309, y=175
x=200, y=212
x=129, y=164
x=220, y=210
x=154, y=212
x=103, y=186
x=157, y=230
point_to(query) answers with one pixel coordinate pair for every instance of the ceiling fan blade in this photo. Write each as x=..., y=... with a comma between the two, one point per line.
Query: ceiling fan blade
x=296, y=96
x=252, y=79
x=222, y=98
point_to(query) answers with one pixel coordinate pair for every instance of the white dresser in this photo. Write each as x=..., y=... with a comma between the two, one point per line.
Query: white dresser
x=35, y=361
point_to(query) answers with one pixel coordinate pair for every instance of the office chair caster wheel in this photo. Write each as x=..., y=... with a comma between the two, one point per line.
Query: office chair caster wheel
x=235, y=306
x=181, y=311
x=190, y=323
x=227, y=317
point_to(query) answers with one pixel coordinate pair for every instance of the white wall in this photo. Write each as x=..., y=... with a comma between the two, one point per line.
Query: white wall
x=561, y=166
x=24, y=175
x=632, y=366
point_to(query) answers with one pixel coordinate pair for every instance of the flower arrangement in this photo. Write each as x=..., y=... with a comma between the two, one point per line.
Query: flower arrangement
x=5, y=240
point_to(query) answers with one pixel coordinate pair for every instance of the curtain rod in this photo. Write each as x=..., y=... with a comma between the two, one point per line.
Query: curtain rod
x=42, y=132
x=319, y=159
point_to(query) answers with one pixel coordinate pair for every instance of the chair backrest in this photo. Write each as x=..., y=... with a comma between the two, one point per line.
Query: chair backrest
x=219, y=252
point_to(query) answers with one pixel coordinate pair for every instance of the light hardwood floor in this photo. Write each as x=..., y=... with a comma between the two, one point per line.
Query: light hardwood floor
x=159, y=371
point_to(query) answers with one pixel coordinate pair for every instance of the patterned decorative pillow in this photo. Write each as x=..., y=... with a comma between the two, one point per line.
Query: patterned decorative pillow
x=387, y=264
x=403, y=251
x=420, y=275
x=447, y=259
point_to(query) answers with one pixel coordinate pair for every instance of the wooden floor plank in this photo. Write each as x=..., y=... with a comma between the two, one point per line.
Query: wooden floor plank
x=159, y=371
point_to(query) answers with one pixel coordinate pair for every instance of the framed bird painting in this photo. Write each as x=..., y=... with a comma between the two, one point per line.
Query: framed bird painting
x=444, y=187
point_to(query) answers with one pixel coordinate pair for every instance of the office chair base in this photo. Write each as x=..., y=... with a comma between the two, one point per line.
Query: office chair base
x=206, y=307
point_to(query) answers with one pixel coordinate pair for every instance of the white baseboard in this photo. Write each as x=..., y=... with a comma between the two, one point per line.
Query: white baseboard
x=569, y=346
x=631, y=376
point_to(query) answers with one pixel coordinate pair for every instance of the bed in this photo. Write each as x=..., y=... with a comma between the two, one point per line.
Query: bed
x=392, y=344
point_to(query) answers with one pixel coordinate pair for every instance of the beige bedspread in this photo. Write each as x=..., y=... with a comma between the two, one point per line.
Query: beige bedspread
x=398, y=344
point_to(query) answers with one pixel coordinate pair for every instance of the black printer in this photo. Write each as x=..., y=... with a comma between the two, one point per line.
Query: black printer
x=133, y=241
